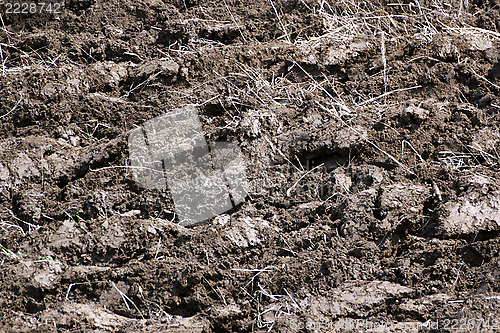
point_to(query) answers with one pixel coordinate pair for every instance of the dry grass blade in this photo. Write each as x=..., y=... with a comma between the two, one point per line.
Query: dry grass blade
x=485, y=79
x=259, y=271
x=295, y=303
x=30, y=225
x=71, y=285
x=345, y=108
x=483, y=154
x=475, y=29
x=218, y=292
x=125, y=298
x=409, y=144
x=234, y=20
x=308, y=172
x=455, y=161
x=436, y=191
x=8, y=225
x=387, y=94
x=3, y=61
x=374, y=145
x=279, y=20
x=275, y=149
x=9, y=253
x=384, y=60
x=15, y=106
x=151, y=78
x=129, y=167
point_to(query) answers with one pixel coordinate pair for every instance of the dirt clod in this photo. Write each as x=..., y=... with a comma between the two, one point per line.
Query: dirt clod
x=351, y=150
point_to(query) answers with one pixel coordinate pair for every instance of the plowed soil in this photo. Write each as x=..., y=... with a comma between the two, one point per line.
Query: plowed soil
x=371, y=137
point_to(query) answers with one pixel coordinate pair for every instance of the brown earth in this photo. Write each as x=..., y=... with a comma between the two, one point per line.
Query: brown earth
x=371, y=137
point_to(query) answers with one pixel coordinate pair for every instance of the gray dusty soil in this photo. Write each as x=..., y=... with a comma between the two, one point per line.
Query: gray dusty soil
x=370, y=134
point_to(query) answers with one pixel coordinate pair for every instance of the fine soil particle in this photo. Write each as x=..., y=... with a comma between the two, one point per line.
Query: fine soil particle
x=370, y=136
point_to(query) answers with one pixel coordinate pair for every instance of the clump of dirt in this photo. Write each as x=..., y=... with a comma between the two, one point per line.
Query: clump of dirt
x=370, y=138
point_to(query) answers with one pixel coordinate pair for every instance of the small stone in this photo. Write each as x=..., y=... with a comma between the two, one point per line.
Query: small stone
x=148, y=70
x=413, y=114
x=470, y=214
x=483, y=101
x=131, y=213
x=222, y=219
x=75, y=140
x=4, y=172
